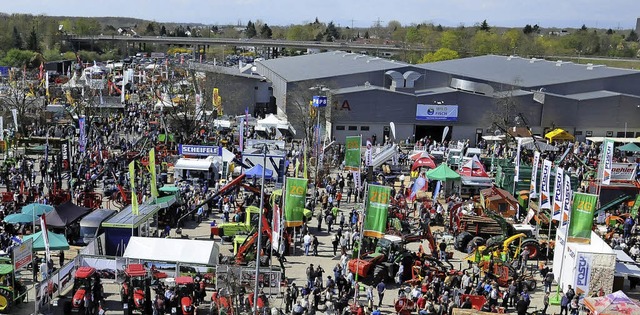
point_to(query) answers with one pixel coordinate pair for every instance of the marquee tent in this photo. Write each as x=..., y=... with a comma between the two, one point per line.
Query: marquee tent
x=56, y=241
x=423, y=162
x=473, y=167
x=256, y=171
x=443, y=173
x=65, y=214
x=559, y=134
x=629, y=147
x=182, y=250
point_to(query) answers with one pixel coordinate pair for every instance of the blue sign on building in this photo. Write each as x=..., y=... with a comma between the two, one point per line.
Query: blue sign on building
x=319, y=101
x=199, y=150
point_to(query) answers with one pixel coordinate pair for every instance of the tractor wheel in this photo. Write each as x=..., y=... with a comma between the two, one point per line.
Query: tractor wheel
x=531, y=285
x=462, y=240
x=6, y=300
x=534, y=248
x=380, y=273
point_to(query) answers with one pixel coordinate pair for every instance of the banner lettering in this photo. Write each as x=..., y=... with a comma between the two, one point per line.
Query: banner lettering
x=534, y=174
x=352, y=153
x=545, y=201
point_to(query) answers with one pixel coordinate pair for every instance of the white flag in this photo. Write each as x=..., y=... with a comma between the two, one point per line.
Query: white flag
x=45, y=236
x=545, y=201
x=516, y=175
x=607, y=161
x=566, y=201
x=534, y=174
x=14, y=112
x=1, y=128
x=558, y=194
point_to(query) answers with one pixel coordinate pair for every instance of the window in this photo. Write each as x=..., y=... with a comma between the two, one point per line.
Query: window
x=353, y=128
x=364, y=128
x=339, y=127
x=578, y=133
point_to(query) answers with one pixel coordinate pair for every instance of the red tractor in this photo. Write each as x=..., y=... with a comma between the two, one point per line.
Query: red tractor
x=186, y=288
x=135, y=291
x=82, y=286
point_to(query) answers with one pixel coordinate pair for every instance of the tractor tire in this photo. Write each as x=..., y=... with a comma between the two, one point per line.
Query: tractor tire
x=478, y=241
x=533, y=246
x=6, y=301
x=462, y=240
x=531, y=285
x=380, y=273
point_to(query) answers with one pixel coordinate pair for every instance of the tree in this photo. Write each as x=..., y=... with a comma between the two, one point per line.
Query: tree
x=440, y=55
x=528, y=29
x=18, y=58
x=484, y=26
x=251, y=30
x=17, y=39
x=265, y=31
x=32, y=40
x=151, y=29
x=633, y=36
x=331, y=33
x=583, y=28
x=366, y=34
x=20, y=98
x=163, y=31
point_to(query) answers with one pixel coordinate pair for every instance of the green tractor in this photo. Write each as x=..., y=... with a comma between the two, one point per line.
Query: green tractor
x=12, y=291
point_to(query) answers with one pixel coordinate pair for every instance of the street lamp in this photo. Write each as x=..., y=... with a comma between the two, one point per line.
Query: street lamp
x=318, y=102
x=259, y=244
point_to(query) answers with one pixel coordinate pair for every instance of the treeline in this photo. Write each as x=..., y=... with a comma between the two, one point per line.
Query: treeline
x=28, y=39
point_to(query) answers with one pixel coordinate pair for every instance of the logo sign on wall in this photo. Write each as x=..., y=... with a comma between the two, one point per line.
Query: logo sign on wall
x=200, y=150
x=437, y=112
x=319, y=101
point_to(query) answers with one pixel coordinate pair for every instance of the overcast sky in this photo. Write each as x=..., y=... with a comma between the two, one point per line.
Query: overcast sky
x=359, y=13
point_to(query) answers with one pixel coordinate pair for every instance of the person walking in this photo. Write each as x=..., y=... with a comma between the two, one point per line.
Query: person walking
x=307, y=243
x=564, y=304
x=381, y=288
x=545, y=302
x=334, y=241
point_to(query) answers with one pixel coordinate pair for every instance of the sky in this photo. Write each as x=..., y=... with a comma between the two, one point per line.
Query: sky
x=615, y=14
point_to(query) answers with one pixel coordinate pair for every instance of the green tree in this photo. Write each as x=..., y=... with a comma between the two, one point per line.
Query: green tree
x=484, y=26
x=32, y=40
x=332, y=33
x=17, y=39
x=440, y=55
x=610, y=32
x=633, y=36
x=18, y=58
x=265, y=31
x=251, y=30
x=151, y=29
x=366, y=34
x=528, y=29
x=163, y=31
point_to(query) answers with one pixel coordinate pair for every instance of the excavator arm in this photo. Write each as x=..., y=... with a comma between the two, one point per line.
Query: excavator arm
x=251, y=241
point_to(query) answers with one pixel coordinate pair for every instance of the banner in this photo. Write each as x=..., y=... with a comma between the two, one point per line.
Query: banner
x=534, y=174
x=566, y=201
x=241, y=133
x=375, y=221
x=583, y=273
x=276, y=224
x=352, y=153
x=516, y=173
x=558, y=193
x=581, y=218
x=134, y=196
x=607, y=161
x=45, y=237
x=152, y=171
x=545, y=201
x=356, y=181
x=14, y=113
x=82, y=137
x=22, y=254
x=2, y=129
x=437, y=112
x=636, y=207
x=623, y=171
x=368, y=154
x=295, y=197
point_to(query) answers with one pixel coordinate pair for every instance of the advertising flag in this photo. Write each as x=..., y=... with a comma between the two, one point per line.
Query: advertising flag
x=375, y=222
x=566, y=201
x=581, y=219
x=45, y=236
x=2, y=129
x=583, y=273
x=516, y=174
x=545, y=200
x=352, y=153
x=558, y=193
x=82, y=137
x=534, y=174
x=368, y=154
x=277, y=227
x=134, y=196
x=296, y=193
x=152, y=171
x=356, y=180
x=14, y=113
x=636, y=206
x=607, y=161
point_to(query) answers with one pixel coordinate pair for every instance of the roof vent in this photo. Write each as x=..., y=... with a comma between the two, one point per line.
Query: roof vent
x=409, y=78
x=367, y=84
x=534, y=60
x=397, y=80
x=592, y=66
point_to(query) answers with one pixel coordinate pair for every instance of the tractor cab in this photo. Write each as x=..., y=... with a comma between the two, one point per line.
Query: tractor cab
x=135, y=288
x=527, y=229
x=186, y=288
x=81, y=287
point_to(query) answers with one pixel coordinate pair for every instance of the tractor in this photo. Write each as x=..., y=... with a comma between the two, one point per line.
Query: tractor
x=12, y=291
x=186, y=288
x=82, y=285
x=380, y=265
x=135, y=292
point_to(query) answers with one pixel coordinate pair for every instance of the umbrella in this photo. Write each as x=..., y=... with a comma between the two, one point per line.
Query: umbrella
x=423, y=162
x=20, y=218
x=616, y=303
x=38, y=208
x=629, y=147
x=56, y=241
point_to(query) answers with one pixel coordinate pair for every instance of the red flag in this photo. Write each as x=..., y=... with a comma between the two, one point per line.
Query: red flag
x=41, y=74
x=45, y=236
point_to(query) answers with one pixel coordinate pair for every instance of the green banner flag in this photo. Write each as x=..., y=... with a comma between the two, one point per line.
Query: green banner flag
x=375, y=222
x=152, y=170
x=352, y=153
x=636, y=207
x=134, y=196
x=581, y=219
x=294, y=200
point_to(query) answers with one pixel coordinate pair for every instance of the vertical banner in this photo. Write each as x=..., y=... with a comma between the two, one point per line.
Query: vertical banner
x=607, y=161
x=583, y=273
x=276, y=224
x=516, y=173
x=241, y=137
x=152, y=171
x=124, y=89
x=581, y=219
x=368, y=154
x=134, y=196
x=296, y=193
x=14, y=113
x=352, y=153
x=356, y=181
x=534, y=174
x=199, y=108
x=82, y=138
x=566, y=201
x=545, y=200
x=45, y=236
x=2, y=129
x=375, y=222
x=636, y=206
x=558, y=194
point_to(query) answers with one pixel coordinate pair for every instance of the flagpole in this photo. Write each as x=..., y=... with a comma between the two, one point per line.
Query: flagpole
x=361, y=239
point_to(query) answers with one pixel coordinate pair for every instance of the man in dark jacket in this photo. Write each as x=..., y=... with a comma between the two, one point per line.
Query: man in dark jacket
x=521, y=306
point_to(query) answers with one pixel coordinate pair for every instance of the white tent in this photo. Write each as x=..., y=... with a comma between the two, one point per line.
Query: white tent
x=164, y=102
x=270, y=121
x=194, y=164
x=182, y=250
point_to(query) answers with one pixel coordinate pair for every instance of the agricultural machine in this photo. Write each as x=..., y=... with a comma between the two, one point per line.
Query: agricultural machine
x=136, y=292
x=383, y=263
x=12, y=291
x=82, y=286
x=186, y=288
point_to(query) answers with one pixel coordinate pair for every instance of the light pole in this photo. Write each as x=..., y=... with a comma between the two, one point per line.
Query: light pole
x=259, y=244
x=318, y=102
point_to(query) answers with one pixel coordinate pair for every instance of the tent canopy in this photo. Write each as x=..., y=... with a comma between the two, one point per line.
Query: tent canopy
x=256, y=171
x=183, y=250
x=270, y=121
x=423, y=162
x=194, y=164
x=38, y=208
x=473, y=167
x=559, y=134
x=20, y=218
x=443, y=173
x=629, y=147
x=65, y=214
x=56, y=241
x=528, y=144
x=616, y=303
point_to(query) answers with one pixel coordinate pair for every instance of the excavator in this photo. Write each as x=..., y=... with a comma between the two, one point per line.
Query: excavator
x=246, y=253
